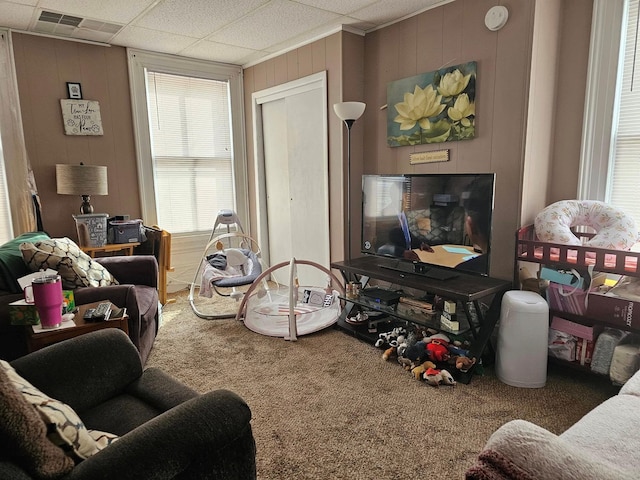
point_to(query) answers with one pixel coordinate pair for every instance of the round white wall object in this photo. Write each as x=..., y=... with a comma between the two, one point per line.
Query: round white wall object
x=496, y=18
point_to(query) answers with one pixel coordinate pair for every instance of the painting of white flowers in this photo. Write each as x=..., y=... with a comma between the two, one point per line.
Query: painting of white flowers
x=433, y=107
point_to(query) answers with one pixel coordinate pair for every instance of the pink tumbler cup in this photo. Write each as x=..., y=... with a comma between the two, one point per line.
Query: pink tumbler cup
x=47, y=297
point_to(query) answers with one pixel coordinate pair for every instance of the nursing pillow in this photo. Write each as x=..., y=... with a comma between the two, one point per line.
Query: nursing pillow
x=614, y=228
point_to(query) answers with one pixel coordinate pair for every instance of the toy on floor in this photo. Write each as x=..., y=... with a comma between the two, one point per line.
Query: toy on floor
x=463, y=363
x=420, y=369
x=435, y=377
x=438, y=347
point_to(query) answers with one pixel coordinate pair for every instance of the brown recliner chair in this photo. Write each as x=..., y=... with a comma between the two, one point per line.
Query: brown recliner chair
x=138, y=292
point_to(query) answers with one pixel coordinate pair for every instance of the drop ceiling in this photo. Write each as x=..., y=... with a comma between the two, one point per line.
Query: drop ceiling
x=241, y=32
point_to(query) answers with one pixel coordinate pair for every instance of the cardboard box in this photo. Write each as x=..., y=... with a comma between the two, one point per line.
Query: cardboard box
x=584, y=351
x=576, y=329
x=23, y=313
x=68, y=301
x=449, y=323
x=614, y=310
x=620, y=306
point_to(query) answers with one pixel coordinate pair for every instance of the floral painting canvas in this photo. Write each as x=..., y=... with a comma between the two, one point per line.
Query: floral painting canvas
x=433, y=107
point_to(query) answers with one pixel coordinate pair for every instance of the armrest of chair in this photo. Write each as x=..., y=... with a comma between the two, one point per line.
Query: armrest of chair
x=523, y=450
x=160, y=390
x=116, y=294
x=133, y=269
x=206, y=437
x=83, y=371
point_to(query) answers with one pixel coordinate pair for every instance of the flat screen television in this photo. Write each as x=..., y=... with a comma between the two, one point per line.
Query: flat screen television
x=441, y=220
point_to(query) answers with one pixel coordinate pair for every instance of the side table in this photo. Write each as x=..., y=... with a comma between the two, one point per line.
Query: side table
x=126, y=248
x=36, y=341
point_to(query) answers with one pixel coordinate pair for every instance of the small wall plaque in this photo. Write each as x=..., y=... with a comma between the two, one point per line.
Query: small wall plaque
x=429, y=157
x=81, y=117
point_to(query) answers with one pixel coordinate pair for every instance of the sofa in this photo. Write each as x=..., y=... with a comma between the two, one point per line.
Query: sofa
x=158, y=427
x=137, y=291
x=602, y=445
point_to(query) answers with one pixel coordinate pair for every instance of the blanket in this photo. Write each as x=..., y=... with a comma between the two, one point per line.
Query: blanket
x=212, y=274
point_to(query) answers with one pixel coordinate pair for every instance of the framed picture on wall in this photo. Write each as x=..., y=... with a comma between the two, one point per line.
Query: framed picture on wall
x=74, y=90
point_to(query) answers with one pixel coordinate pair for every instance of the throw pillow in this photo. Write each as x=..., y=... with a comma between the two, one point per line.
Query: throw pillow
x=64, y=427
x=76, y=268
x=23, y=435
x=103, y=439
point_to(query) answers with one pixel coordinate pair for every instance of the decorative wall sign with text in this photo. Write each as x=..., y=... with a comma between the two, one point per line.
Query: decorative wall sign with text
x=433, y=107
x=81, y=117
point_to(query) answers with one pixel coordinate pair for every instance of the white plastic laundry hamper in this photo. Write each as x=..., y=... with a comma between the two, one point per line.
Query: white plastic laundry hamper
x=521, y=354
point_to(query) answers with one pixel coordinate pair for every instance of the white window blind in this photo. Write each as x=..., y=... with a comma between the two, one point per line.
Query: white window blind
x=190, y=126
x=624, y=178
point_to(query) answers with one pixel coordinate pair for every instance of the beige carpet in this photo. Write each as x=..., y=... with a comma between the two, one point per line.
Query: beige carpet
x=328, y=406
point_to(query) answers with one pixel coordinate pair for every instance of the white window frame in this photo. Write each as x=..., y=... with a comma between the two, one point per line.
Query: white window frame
x=139, y=62
x=603, y=80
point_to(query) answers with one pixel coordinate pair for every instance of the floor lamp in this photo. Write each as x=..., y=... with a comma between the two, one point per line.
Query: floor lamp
x=349, y=112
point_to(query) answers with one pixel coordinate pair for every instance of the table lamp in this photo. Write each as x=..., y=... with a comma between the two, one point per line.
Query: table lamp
x=83, y=180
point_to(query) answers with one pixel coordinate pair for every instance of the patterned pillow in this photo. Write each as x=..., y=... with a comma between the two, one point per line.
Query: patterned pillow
x=64, y=427
x=76, y=268
x=23, y=435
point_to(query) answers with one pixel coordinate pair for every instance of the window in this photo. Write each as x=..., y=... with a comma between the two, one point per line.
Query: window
x=191, y=150
x=625, y=172
x=610, y=165
x=189, y=125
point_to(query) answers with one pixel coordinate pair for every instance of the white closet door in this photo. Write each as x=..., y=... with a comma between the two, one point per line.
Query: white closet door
x=296, y=182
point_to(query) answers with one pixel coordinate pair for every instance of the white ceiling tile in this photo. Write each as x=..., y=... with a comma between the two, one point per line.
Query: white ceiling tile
x=339, y=6
x=217, y=52
x=385, y=11
x=146, y=39
x=120, y=11
x=230, y=31
x=291, y=19
x=201, y=16
x=15, y=16
x=93, y=35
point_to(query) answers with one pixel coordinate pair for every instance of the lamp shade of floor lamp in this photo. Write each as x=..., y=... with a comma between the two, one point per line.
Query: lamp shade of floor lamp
x=83, y=180
x=349, y=112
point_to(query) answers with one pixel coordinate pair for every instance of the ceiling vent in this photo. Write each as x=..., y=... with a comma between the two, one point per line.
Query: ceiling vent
x=54, y=23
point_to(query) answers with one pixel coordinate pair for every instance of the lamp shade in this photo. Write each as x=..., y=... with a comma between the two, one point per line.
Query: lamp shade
x=81, y=179
x=349, y=110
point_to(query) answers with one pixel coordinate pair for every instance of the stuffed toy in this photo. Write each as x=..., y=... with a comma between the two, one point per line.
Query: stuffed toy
x=390, y=338
x=417, y=352
x=389, y=352
x=420, y=369
x=438, y=348
x=463, y=363
x=435, y=377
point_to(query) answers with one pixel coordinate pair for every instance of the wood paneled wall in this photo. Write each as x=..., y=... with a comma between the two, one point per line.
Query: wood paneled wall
x=43, y=66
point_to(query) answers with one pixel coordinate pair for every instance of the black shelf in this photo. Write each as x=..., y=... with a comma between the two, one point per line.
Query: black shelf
x=465, y=288
x=417, y=320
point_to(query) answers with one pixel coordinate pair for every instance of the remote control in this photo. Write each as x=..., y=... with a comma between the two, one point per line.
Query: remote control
x=103, y=311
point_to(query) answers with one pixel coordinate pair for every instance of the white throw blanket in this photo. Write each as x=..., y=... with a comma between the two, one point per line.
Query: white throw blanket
x=211, y=274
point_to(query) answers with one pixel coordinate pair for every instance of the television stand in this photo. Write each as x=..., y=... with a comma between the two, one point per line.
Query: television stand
x=423, y=271
x=468, y=289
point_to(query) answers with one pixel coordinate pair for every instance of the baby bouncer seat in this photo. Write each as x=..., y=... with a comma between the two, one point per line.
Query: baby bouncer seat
x=229, y=260
x=287, y=311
